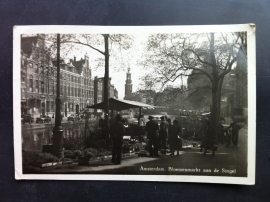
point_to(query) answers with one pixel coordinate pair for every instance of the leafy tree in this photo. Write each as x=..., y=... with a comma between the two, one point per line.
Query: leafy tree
x=212, y=56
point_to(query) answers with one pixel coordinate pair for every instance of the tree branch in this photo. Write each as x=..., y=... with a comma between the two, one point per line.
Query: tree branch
x=198, y=57
x=81, y=43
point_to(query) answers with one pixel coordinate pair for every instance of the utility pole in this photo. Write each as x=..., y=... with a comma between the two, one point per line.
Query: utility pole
x=58, y=130
x=106, y=85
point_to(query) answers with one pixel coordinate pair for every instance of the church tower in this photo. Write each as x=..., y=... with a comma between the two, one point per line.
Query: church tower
x=128, y=85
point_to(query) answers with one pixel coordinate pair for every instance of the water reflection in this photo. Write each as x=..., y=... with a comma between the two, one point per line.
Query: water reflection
x=34, y=139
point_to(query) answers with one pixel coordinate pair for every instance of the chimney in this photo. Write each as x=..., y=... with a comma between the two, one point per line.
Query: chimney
x=74, y=59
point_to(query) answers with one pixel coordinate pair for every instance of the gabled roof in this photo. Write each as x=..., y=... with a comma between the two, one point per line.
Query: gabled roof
x=116, y=104
x=79, y=65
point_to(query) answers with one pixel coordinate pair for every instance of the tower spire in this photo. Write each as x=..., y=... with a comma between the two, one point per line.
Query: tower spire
x=128, y=85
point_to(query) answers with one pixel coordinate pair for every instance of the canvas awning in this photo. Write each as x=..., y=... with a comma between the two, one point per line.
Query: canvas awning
x=116, y=104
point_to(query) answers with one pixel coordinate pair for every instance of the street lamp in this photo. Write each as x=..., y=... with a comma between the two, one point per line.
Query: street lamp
x=58, y=130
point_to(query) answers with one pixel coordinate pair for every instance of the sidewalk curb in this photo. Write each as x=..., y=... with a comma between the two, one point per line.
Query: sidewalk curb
x=88, y=162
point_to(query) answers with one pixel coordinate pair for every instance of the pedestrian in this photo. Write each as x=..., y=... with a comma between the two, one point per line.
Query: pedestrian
x=141, y=127
x=220, y=133
x=163, y=134
x=175, y=132
x=152, y=134
x=117, y=133
x=210, y=139
x=202, y=133
x=235, y=132
x=170, y=134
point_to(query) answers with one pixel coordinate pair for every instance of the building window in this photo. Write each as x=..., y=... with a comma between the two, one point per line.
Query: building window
x=37, y=86
x=42, y=87
x=47, y=88
x=52, y=106
x=37, y=69
x=51, y=88
x=31, y=85
x=65, y=90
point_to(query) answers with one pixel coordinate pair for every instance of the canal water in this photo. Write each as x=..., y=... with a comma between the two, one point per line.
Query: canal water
x=33, y=138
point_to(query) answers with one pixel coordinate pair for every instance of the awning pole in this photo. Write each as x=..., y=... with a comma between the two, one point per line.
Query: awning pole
x=140, y=115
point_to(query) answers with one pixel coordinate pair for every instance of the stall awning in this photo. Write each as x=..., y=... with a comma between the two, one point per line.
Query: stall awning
x=116, y=104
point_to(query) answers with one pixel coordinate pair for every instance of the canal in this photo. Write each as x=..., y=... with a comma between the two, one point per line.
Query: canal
x=36, y=135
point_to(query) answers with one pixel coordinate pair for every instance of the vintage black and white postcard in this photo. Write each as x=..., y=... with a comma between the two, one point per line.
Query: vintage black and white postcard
x=149, y=103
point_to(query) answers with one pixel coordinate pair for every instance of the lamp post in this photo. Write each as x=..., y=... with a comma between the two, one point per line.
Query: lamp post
x=58, y=130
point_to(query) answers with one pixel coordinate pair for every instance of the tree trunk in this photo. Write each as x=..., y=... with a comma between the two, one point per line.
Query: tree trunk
x=214, y=110
x=219, y=97
x=106, y=86
x=215, y=84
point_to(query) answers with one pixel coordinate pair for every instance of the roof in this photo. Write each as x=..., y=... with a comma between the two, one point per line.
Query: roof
x=116, y=104
x=79, y=65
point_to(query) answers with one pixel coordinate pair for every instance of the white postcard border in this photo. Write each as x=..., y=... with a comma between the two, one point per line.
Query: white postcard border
x=249, y=28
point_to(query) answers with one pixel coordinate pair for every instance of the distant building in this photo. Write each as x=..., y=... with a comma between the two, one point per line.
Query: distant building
x=76, y=90
x=128, y=85
x=99, y=90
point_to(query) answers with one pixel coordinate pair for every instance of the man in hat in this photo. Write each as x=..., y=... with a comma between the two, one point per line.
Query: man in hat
x=163, y=133
x=152, y=134
x=117, y=133
x=235, y=132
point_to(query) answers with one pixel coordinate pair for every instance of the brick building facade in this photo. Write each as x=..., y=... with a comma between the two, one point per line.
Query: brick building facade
x=38, y=80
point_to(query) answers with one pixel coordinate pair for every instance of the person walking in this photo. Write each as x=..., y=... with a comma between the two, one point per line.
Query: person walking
x=117, y=132
x=152, y=134
x=163, y=134
x=175, y=137
x=220, y=133
x=202, y=132
x=141, y=127
x=210, y=139
x=170, y=134
x=235, y=132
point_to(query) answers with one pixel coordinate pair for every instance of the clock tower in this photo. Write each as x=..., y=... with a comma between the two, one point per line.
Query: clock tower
x=128, y=85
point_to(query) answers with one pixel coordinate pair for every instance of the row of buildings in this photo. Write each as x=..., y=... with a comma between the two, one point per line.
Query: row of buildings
x=196, y=95
x=78, y=88
x=171, y=99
